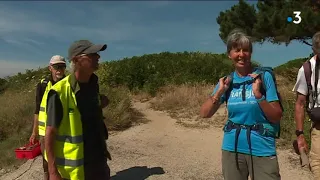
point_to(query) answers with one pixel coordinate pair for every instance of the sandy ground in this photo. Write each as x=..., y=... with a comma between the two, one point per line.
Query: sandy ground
x=163, y=150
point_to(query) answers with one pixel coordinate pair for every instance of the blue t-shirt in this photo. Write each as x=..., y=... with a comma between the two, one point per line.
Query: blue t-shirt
x=248, y=112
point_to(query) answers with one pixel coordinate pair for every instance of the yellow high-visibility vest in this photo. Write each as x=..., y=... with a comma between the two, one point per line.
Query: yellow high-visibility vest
x=42, y=113
x=68, y=145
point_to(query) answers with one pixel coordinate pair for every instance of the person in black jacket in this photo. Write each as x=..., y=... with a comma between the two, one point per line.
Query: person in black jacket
x=57, y=66
x=84, y=58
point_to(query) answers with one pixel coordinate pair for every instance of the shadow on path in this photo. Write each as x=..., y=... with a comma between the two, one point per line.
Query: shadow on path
x=137, y=173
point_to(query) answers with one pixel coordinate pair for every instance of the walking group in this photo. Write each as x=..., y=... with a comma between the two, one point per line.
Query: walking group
x=69, y=122
x=68, y=117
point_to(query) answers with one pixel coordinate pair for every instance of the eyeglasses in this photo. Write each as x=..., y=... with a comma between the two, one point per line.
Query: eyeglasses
x=59, y=66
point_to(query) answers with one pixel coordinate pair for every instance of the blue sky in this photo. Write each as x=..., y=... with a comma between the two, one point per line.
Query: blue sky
x=31, y=32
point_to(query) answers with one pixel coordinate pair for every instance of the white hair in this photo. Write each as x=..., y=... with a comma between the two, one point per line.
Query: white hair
x=237, y=38
x=72, y=66
x=316, y=42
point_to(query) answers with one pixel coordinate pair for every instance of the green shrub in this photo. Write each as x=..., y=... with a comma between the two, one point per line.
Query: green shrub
x=150, y=72
x=290, y=69
x=119, y=114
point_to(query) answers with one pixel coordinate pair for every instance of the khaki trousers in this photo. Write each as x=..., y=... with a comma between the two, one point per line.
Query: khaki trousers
x=264, y=168
x=314, y=156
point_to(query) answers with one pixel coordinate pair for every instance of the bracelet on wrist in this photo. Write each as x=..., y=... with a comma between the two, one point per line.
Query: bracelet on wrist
x=261, y=99
x=214, y=100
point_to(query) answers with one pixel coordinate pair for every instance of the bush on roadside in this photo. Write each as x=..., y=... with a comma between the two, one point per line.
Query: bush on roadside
x=155, y=74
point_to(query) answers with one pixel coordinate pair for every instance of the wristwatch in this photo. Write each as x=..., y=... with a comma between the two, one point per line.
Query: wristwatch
x=299, y=132
x=261, y=99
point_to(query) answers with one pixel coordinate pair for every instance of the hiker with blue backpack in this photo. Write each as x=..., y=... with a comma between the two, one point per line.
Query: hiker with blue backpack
x=254, y=114
x=308, y=99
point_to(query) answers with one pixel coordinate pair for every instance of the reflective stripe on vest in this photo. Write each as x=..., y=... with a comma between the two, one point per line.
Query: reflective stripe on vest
x=42, y=113
x=69, y=139
x=68, y=162
x=68, y=145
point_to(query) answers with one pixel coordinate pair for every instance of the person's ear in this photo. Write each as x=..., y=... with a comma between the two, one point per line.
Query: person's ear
x=228, y=54
x=75, y=59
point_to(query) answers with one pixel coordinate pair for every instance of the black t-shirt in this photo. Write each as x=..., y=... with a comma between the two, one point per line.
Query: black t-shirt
x=40, y=89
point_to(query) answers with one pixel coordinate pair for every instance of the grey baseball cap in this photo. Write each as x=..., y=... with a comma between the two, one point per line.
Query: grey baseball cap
x=84, y=47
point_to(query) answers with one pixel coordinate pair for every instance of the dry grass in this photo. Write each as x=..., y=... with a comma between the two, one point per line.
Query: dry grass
x=120, y=114
x=141, y=96
x=16, y=119
x=183, y=103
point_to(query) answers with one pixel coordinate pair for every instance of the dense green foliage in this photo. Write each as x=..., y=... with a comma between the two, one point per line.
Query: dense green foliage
x=149, y=72
x=239, y=16
x=26, y=80
x=3, y=84
x=290, y=69
x=268, y=22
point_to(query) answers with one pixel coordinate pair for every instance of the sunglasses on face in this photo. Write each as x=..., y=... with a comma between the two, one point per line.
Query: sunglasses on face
x=59, y=66
x=91, y=54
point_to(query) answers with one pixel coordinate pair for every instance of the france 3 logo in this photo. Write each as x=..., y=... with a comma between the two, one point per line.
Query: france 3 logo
x=296, y=19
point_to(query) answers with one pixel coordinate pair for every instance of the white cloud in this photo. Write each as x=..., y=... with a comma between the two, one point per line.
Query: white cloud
x=111, y=24
x=123, y=26
x=158, y=4
x=34, y=42
x=10, y=67
x=17, y=25
x=161, y=40
x=26, y=44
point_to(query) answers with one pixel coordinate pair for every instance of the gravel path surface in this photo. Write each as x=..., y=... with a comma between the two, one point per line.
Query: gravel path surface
x=164, y=150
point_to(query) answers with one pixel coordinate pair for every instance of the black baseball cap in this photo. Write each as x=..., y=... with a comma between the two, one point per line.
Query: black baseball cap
x=84, y=47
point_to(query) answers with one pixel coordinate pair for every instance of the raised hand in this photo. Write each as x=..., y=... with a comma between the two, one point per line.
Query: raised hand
x=256, y=85
x=224, y=83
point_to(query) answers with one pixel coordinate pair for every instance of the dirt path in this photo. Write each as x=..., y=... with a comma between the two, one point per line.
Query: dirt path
x=162, y=150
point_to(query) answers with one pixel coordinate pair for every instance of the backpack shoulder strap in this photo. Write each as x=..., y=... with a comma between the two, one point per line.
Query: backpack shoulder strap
x=44, y=82
x=262, y=70
x=228, y=92
x=307, y=72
